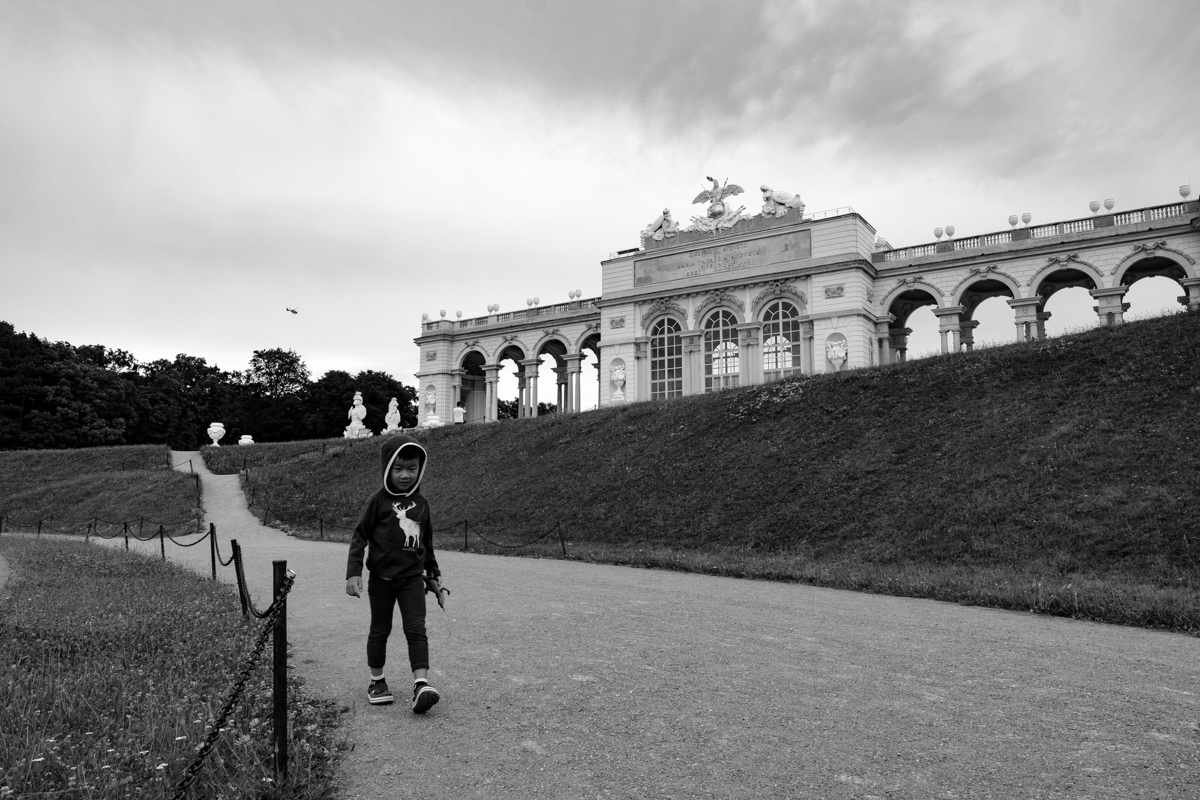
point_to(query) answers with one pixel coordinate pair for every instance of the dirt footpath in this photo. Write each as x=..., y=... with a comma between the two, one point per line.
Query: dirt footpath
x=568, y=680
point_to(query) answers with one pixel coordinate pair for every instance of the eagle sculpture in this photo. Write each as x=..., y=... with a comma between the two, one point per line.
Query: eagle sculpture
x=718, y=193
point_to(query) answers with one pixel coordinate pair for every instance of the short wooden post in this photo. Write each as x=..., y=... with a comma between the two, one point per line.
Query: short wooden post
x=464, y=536
x=280, y=693
x=162, y=541
x=125, y=530
x=39, y=533
x=320, y=528
x=562, y=541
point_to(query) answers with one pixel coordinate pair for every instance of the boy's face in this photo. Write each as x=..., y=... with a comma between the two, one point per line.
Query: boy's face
x=404, y=473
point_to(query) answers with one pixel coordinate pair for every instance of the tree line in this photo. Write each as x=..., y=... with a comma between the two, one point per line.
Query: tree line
x=56, y=395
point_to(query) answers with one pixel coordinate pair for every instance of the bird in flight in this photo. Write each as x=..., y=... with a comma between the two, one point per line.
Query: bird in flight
x=294, y=311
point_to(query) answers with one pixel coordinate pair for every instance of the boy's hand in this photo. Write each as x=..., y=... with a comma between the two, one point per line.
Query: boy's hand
x=354, y=586
x=432, y=585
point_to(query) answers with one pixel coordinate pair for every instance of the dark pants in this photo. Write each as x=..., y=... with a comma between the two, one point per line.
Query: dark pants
x=384, y=595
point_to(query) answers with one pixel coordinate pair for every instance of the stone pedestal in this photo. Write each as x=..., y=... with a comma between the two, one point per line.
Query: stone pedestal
x=246, y=439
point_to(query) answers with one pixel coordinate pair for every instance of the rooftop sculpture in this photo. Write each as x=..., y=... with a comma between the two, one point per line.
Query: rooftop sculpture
x=719, y=215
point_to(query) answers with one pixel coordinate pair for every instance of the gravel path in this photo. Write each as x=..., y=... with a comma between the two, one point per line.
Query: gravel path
x=569, y=680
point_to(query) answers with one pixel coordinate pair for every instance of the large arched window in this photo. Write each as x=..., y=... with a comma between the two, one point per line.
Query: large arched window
x=781, y=340
x=720, y=351
x=666, y=360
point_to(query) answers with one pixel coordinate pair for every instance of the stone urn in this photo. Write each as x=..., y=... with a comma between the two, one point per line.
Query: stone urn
x=1094, y=206
x=617, y=376
x=216, y=432
x=246, y=439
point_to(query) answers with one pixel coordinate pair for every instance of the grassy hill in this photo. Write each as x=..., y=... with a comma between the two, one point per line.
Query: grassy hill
x=67, y=489
x=1057, y=476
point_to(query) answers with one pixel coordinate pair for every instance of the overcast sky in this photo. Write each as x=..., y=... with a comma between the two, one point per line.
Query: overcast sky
x=173, y=175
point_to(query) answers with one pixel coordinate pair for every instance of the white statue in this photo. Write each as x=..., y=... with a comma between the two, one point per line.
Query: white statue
x=778, y=203
x=719, y=216
x=431, y=418
x=357, y=413
x=836, y=353
x=215, y=432
x=663, y=226
x=392, y=418
x=616, y=373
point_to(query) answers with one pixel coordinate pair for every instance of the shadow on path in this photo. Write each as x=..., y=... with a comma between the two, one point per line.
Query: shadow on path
x=570, y=680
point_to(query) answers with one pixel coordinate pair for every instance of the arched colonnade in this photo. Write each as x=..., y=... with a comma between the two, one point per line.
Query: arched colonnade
x=955, y=309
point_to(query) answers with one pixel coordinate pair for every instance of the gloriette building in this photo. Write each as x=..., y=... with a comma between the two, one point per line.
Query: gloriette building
x=738, y=299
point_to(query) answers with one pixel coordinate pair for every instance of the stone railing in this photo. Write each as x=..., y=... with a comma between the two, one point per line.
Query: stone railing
x=534, y=312
x=1149, y=214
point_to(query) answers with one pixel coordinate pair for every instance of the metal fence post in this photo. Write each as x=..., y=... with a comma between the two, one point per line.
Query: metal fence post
x=212, y=548
x=464, y=536
x=320, y=528
x=562, y=542
x=125, y=530
x=39, y=533
x=280, y=693
x=162, y=541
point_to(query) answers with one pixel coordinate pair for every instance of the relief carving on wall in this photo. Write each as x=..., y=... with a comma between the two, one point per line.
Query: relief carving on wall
x=1149, y=249
x=780, y=289
x=721, y=297
x=833, y=292
x=616, y=322
x=664, y=305
x=431, y=355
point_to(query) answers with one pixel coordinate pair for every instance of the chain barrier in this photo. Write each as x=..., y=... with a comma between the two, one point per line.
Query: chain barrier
x=512, y=546
x=248, y=608
x=189, y=774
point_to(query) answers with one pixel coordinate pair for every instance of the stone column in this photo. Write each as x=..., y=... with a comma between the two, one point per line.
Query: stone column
x=883, y=339
x=967, y=328
x=750, y=364
x=693, y=362
x=456, y=378
x=492, y=376
x=1191, y=296
x=807, y=357
x=563, y=389
x=899, y=341
x=1026, y=311
x=641, y=355
x=522, y=392
x=1109, y=306
x=949, y=327
x=531, y=380
x=571, y=404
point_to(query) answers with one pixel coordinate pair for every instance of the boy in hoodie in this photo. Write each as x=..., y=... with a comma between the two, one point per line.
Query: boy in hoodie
x=397, y=536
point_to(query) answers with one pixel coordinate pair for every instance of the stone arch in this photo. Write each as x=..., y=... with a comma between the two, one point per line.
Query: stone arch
x=905, y=286
x=717, y=300
x=983, y=274
x=663, y=307
x=907, y=298
x=980, y=284
x=473, y=347
x=588, y=340
x=779, y=290
x=1153, y=259
x=511, y=348
x=554, y=344
x=1072, y=271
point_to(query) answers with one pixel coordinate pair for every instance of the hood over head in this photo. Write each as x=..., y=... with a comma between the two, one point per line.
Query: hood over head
x=392, y=450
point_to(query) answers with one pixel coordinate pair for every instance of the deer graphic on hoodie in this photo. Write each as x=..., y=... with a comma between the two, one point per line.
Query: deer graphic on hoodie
x=394, y=530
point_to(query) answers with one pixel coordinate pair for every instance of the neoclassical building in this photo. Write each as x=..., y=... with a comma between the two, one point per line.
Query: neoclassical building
x=737, y=299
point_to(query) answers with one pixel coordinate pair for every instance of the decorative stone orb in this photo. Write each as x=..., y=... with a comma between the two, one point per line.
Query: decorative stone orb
x=246, y=439
x=216, y=431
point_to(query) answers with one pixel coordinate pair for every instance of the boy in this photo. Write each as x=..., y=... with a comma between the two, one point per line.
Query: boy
x=396, y=525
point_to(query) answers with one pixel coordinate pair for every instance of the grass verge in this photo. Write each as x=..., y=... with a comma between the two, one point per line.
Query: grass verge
x=1055, y=476
x=113, y=668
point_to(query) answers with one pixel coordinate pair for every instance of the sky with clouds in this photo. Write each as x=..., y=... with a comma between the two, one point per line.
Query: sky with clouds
x=173, y=175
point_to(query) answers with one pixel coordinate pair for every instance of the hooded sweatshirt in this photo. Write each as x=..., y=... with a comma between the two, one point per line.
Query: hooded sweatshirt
x=395, y=524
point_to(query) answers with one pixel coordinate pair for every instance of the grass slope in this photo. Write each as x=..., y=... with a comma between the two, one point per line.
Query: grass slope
x=1055, y=476
x=69, y=488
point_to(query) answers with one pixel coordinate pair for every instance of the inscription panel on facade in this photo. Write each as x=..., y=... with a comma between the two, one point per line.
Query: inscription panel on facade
x=723, y=258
